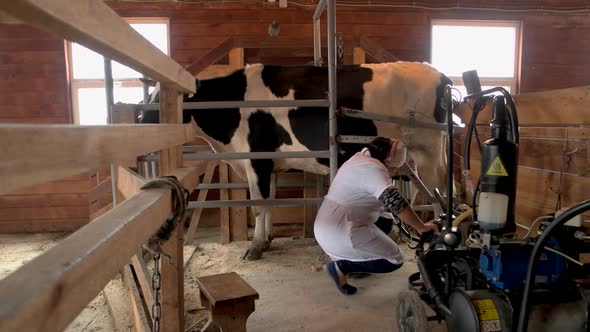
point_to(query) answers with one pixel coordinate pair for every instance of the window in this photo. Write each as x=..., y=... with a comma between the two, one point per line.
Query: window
x=490, y=47
x=87, y=75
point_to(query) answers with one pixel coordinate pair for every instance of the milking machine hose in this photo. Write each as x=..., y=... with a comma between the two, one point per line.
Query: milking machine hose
x=478, y=107
x=562, y=219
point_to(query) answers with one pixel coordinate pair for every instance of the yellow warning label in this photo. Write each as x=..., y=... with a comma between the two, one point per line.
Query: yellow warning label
x=486, y=309
x=497, y=168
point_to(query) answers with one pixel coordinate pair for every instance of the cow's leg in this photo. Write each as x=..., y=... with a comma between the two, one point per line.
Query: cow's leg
x=259, y=181
x=268, y=214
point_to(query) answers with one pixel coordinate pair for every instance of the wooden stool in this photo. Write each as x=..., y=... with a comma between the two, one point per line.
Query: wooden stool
x=230, y=301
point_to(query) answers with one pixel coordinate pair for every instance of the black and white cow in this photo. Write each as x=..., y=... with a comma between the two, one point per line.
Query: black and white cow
x=408, y=89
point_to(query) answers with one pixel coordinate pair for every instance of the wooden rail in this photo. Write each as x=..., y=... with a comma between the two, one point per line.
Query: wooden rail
x=84, y=22
x=50, y=291
x=52, y=152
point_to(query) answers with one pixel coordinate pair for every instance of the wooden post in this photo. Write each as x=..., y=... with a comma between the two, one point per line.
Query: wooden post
x=224, y=195
x=172, y=279
x=238, y=215
x=358, y=56
x=234, y=225
x=310, y=210
x=192, y=230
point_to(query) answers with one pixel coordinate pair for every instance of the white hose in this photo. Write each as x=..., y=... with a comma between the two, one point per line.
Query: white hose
x=534, y=224
x=563, y=255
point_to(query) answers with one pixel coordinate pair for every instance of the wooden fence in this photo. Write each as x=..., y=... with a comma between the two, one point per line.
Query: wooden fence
x=51, y=290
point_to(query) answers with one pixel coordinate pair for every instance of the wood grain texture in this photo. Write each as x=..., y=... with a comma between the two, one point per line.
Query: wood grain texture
x=55, y=286
x=52, y=152
x=84, y=21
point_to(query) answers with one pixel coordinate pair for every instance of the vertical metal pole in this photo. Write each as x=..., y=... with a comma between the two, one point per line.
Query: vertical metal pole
x=142, y=166
x=317, y=42
x=332, y=93
x=450, y=136
x=108, y=84
x=146, y=91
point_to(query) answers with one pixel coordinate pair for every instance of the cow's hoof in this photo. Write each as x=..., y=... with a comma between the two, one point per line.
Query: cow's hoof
x=253, y=254
x=267, y=244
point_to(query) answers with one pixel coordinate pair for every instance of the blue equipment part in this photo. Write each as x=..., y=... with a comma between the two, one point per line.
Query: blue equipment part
x=506, y=267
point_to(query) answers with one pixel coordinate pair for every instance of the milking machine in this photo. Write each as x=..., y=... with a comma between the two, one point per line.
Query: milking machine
x=483, y=277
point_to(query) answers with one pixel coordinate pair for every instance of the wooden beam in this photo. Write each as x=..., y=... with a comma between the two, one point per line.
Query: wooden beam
x=192, y=230
x=566, y=107
x=236, y=58
x=142, y=273
x=7, y=19
x=310, y=210
x=55, y=286
x=85, y=22
x=284, y=42
x=238, y=215
x=172, y=282
x=224, y=212
x=140, y=316
x=211, y=57
x=101, y=189
x=358, y=56
x=377, y=52
x=129, y=183
x=51, y=152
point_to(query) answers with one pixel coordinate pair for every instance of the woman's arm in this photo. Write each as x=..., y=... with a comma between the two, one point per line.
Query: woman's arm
x=395, y=203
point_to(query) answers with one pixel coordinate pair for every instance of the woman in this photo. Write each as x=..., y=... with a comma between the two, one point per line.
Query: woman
x=345, y=224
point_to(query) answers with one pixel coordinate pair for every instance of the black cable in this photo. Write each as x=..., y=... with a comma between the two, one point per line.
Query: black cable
x=539, y=245
x=477, y=138
x=474, y=199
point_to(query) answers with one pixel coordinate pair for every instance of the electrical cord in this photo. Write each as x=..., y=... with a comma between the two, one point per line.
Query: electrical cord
x=558, y=222
x=535, y=224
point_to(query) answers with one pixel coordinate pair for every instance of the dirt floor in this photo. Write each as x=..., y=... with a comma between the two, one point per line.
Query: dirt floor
x=295, y=293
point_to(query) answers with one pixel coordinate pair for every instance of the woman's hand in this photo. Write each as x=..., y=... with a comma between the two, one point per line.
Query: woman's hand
x=429, y=226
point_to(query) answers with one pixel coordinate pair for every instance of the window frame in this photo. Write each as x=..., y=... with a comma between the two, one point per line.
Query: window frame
x=81, y=83
x=514, y=81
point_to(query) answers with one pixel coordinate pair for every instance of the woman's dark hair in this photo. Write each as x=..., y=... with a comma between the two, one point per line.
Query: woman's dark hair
x=379, y=148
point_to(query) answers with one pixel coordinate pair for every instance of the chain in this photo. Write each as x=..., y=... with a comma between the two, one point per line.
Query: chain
x=156, y=283
x=339, y=50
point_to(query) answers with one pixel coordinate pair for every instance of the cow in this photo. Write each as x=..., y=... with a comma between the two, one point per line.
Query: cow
x=406, y=89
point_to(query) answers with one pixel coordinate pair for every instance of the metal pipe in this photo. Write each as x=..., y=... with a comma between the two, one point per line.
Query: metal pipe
x=450, y=142
x=245, y=185
x=232, y=104
x=332, y=93
x=319, y=9
x=110, y=100
x=354, y=139
x=247, y=155
x=254, y=202
x=392, y=119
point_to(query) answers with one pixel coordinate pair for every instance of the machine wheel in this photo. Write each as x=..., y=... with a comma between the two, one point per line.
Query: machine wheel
x=411, y=315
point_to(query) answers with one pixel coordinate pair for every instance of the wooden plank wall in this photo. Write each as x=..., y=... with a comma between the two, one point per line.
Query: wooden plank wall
x=556, y=47
x=33, y=76
x=34, y=89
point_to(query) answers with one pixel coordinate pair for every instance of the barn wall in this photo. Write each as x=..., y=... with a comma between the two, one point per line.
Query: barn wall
x=34, y=89
x=556, y=47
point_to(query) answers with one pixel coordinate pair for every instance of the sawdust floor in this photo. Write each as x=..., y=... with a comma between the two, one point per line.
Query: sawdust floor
x=295, y=294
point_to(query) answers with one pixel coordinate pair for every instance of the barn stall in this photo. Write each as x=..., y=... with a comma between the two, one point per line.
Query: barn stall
x=211, y=38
